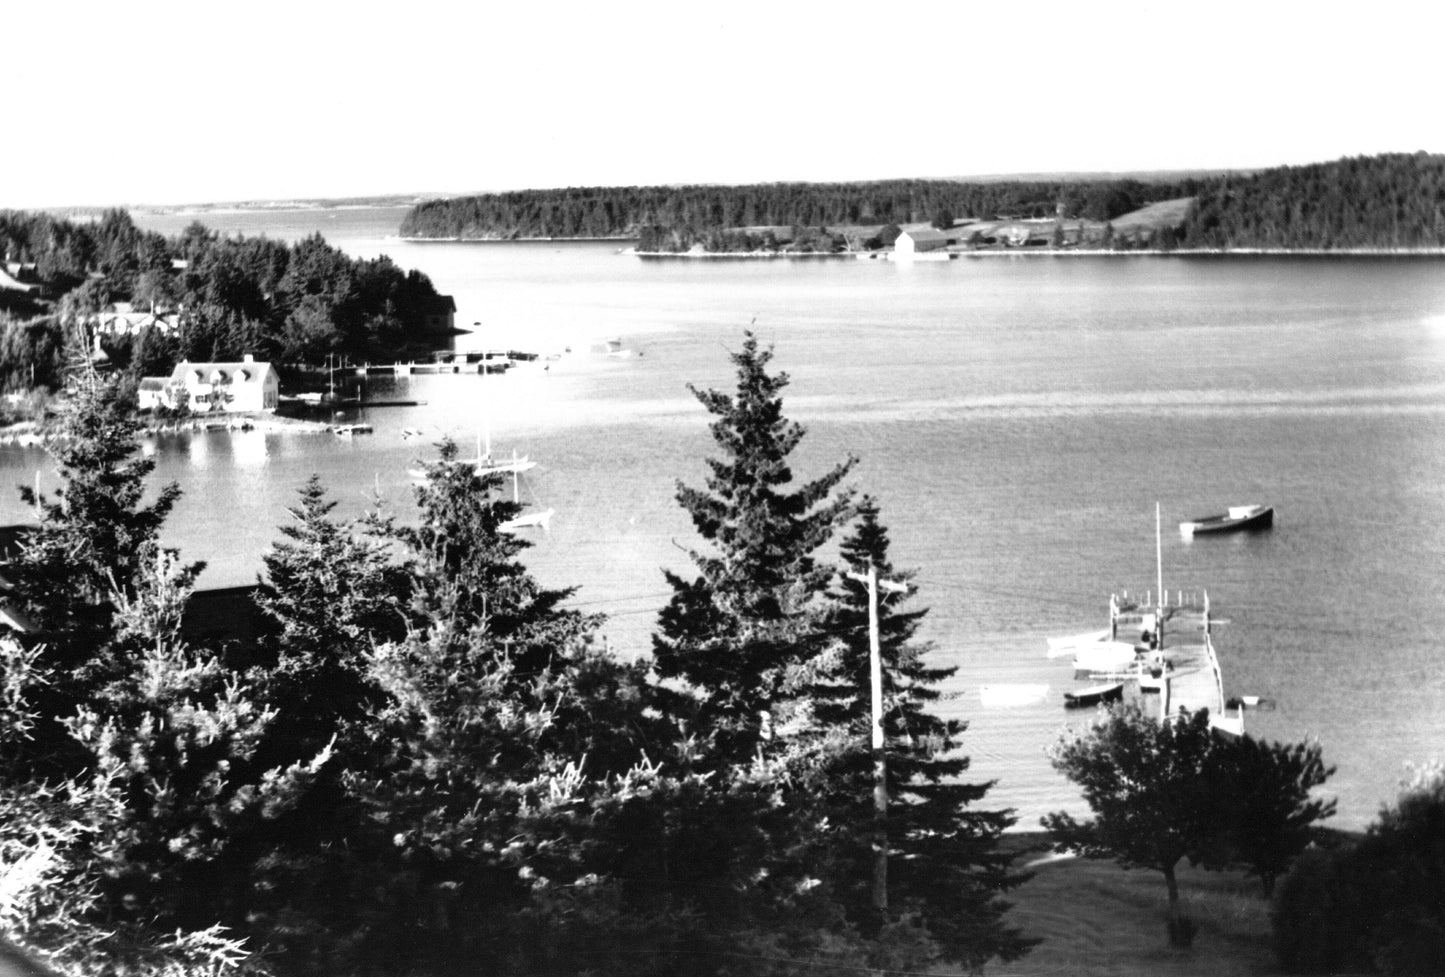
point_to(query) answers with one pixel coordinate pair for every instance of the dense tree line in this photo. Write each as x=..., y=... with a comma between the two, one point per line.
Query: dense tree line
x=1389, y=201
x=1386, y=201
x=429, y=766
x=230, y=296
x=696, y=210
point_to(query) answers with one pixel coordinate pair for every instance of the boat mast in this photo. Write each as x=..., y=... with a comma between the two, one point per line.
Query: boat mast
x=1159, y=553
x=1159, y=570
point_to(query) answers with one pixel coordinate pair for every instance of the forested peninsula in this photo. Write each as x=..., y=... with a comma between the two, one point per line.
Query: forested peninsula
x=152, y=301
x=1384, y=202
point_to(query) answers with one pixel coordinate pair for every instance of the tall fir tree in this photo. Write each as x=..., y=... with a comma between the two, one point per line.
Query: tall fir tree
x=500, y=724
x=740, y=634
x=332, y=590
x=177, y=736
x=945, y=866
x=89, y=545
x=94, y=528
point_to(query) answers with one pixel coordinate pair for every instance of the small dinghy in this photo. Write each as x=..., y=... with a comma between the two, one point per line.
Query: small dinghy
x=1094, y=695
x=1006, y=696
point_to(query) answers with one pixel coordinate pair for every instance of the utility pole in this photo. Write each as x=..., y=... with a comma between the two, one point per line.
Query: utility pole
x=880, y=755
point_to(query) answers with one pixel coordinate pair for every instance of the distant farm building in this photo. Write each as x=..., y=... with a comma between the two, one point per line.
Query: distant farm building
x=919, y=239
x=200, y=387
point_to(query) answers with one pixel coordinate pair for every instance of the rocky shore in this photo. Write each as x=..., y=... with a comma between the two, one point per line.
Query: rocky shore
x=33, y=433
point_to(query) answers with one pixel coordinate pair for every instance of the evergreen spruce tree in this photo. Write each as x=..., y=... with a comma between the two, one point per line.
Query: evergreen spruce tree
x=500, y=725
x=177, y=736
x=741, y=645
x=89, y=543
x=740, y=634
x=332, y=590
x=93, y=529
x=945, y=868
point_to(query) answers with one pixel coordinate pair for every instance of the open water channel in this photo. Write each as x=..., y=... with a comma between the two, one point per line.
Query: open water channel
x=1017, y=418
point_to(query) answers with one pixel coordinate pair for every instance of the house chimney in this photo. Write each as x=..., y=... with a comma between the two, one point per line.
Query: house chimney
x=248, y=358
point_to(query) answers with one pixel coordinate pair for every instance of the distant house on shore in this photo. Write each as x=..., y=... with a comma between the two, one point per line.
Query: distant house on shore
x=919, y=239
x=123, y=320
x=244, y=386
x=440, y=315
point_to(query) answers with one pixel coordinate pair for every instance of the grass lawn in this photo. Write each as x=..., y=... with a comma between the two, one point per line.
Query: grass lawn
x=1098, y=919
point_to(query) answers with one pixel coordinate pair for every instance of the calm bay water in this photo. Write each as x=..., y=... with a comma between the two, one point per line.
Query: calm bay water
x=1018, y=418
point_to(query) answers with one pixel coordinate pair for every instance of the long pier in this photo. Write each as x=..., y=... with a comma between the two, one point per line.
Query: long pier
x=440, y=362
x=1182, y=665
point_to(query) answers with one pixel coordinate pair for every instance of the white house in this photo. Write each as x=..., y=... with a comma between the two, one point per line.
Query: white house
x=918, y=239
x=124, y=320
x=243, y=386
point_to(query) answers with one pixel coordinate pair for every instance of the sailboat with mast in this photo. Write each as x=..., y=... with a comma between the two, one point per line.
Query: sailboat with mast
x=484, y=465
x=531, y=520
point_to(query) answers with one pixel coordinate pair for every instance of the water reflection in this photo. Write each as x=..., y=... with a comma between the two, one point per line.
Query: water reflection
x=249, y=449
x=198, y=451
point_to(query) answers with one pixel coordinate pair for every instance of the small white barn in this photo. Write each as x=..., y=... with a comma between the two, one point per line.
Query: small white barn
x=919, y=239
x=244, y=386
x=151, y=393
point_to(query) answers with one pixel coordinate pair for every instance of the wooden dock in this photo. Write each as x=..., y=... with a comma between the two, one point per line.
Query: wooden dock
x=476, y=362
x=1185, y=659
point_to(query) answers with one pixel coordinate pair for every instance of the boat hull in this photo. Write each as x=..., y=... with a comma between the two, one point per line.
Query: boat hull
x=1094, y=695
x=1237, y=519
x=1106, y=656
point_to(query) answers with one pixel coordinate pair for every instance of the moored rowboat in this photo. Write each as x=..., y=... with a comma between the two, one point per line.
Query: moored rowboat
x=1239, y=517
x=1093, y=695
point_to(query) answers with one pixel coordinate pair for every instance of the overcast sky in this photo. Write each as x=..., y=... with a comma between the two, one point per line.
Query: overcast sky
x=150, y=101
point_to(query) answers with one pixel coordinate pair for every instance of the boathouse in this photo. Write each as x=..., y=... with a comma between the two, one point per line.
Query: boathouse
x=440, y=315
x=235, y=387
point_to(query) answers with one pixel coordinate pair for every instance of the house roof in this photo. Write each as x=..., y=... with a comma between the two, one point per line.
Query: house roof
x=154, y=383
x=234, y=372
x=927, y=234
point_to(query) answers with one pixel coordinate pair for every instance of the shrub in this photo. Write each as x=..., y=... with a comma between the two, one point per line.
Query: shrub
x=1377, y=905
x=1312, y=912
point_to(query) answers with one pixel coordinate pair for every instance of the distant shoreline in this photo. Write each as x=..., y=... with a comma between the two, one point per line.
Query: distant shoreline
x=928, y=256
x=514, y=240
x=33, y=433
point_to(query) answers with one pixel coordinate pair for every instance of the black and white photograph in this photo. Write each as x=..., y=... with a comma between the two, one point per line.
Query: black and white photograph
x=722, y=490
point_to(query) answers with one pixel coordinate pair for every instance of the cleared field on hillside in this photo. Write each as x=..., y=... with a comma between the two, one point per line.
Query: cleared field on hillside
x=1161, y=214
